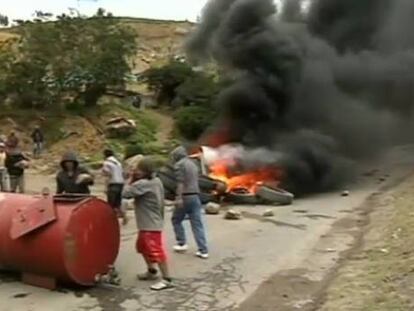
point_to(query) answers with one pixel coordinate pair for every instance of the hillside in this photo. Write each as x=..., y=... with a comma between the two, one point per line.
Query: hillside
x=83, y=131
x=157, y=40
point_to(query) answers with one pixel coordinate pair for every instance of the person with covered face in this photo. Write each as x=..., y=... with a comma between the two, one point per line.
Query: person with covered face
x=73, y=178
x=188, y=203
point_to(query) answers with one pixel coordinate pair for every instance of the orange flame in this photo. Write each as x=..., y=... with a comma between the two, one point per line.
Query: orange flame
x=249, y=180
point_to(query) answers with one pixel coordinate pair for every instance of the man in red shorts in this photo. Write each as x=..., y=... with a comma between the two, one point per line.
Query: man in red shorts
x=148, y=192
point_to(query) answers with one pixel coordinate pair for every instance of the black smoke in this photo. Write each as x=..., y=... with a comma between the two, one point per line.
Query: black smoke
x=321, y=85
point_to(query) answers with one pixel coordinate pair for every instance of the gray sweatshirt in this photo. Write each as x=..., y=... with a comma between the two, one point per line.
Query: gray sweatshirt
x=149, y=203
x=186, y=171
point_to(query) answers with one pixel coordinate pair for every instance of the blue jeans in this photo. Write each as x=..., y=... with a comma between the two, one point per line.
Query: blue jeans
x=191, y=207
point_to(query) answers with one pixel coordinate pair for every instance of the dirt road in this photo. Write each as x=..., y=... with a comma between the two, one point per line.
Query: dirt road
x=252, y=258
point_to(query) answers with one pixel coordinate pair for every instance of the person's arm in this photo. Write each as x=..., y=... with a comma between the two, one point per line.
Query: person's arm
x=91, y=180
x=8, y=162
x=133, y=190
x=59, y=186
x=179, y=175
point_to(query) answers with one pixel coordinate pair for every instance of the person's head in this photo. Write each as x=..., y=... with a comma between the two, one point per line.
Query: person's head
x=108, y=153
x=12, y=133
x=37, y=127
x=145, y=168
x=178, y=153
x=69, y=162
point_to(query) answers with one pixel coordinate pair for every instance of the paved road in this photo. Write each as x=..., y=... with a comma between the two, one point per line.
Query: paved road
x=244, y=254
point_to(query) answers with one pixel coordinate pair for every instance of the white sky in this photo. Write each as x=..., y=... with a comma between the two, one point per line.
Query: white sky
x=157, y=9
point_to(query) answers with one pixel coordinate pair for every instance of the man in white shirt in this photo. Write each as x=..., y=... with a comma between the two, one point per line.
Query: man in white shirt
x=3, y=170
x=114, y=173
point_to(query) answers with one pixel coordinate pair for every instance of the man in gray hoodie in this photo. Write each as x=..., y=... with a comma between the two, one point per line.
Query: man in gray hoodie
x=188, y=203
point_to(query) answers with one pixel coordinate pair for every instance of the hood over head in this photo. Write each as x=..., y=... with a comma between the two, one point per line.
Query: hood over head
x=178, y=153
x=69, y=157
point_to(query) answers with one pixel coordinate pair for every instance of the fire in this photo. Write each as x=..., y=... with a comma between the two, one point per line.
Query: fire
x=248, y=180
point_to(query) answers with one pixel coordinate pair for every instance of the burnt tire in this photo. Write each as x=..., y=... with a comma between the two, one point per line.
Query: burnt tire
x=242, y=198
x=169, y=182
x=208, y=184
x=274, y=195
x=208, y=197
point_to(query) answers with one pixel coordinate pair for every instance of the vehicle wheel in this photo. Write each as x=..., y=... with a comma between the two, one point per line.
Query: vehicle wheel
x=242, y=197
x=275, y=195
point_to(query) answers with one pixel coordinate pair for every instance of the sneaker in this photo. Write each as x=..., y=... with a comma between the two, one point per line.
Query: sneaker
x=180, y=248
x=162, y=285
x=202, y=255
x=147, y=276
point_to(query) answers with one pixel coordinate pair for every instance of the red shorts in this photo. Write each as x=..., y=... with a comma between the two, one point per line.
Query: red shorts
x=151, y=245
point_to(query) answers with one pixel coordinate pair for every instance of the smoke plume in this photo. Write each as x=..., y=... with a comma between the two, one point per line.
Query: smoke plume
x=319, y=88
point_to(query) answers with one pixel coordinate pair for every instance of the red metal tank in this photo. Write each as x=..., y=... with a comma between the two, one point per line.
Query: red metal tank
x=63, y=238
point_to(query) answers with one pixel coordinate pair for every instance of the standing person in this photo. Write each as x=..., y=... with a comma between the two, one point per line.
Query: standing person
x=16, y=163
x=188, y=203
x=114, y=173
x=12, y=141
x=3, y=169
x=38, y=141
x=72, y=178
x=148, y=193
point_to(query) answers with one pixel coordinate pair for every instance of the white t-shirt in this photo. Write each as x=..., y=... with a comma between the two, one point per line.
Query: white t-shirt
x=113, y=167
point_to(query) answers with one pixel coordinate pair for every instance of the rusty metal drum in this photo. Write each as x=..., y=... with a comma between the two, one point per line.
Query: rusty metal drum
x=49, y=239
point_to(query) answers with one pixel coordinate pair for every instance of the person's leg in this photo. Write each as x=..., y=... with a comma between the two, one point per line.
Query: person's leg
x=160, y=256
x=22, y=184
x=143, y=246
x=118, y=203
x=177, y=221
x=151, y=273
x=2, y=181
x=13, y=183
x=197, y=224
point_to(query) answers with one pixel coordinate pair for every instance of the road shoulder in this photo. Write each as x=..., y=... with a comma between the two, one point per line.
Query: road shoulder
x=332, y=275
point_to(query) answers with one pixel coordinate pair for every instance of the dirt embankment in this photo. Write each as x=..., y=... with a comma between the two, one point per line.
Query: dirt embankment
x=365, y=263
x=380, y=274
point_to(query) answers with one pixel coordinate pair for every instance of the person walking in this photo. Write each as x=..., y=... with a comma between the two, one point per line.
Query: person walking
x=3, y=169
x=38, y=141
x=16, y=163
x=114, y=173
x=188, y=203
x=148, y=193
x=73, y=178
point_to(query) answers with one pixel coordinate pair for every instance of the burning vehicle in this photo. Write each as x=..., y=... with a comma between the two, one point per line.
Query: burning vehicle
x=224, y=177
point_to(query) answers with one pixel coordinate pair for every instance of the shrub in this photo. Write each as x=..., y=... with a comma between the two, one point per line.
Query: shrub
x=193, y=121
x=133, y=148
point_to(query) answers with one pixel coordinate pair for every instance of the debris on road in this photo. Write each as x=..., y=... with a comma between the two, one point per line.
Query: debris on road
x=232, y=215
x=345, y=193
x=268, y=213
x=212, y=208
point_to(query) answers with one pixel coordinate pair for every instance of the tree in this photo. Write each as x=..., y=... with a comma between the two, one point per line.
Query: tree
x=72, y=58
x=165, y=80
